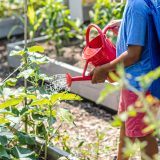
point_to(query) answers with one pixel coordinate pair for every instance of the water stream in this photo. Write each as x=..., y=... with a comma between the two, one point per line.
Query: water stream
x=57, y=83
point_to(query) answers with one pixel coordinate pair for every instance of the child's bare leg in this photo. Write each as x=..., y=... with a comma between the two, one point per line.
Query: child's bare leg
x=121, y=143
x=151, y=148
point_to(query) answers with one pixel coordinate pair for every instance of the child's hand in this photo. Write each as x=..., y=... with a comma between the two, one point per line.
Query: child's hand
x=99, y=74
x=115, y=24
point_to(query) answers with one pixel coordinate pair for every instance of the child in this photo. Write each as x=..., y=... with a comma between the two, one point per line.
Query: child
x=133, y=51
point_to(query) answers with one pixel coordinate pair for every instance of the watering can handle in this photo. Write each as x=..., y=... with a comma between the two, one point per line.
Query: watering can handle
x=106, y=29
x=99, y=31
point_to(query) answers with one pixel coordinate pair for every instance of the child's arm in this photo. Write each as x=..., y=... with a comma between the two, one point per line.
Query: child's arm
x=127, y=58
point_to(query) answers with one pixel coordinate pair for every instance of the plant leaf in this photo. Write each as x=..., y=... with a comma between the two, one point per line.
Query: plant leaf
x=10, y=102
x=38, y=58
x=25, y=139
x=31, y=15
x=108, y=90
x=3, y=140
x=40, y=102
x=11, y=82
x=3, y=153
x=70, y=97
x=65, y=115
x=64, y=96
x=17, y=53
x=20, y=152
x=36, y=49
x=26, y=73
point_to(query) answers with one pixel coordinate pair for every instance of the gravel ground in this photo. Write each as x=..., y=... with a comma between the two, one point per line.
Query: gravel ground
x=90, y=119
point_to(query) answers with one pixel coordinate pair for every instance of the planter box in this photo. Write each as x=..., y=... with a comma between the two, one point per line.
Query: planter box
x=84, y=89
x=80, y=11
x=7, y=24
x=55, y=153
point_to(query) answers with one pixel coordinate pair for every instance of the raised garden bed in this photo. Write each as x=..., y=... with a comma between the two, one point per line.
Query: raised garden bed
x=55, y=153
x=85, y=89
x=7, y=24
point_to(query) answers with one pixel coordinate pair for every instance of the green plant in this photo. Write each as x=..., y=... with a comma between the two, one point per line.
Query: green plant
x=35, y=20
x=58, y=24
x=104, y=11
x=86, y=149
x=29, y=112
x=10, y=8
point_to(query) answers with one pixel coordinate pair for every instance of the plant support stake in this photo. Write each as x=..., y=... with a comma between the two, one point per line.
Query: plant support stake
x=25, y=56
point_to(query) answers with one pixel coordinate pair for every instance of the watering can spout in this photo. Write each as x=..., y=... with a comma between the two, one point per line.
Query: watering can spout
x=71, y=79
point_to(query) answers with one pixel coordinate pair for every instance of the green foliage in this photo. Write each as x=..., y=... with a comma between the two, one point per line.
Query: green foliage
x=20, y=152
x=35, y=20
x=3, y=153
x=58, y=24
x=147, y=79
x=10, y=8
x=65, y=115
x=148, y=104
x=11, y=82
x=104, y=11
x=10, y=102
x=24, y=139
x=86, y=150
x=39, y=49
x=31, y=108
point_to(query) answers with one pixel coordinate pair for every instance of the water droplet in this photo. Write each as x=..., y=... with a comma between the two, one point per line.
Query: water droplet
x=57, y=83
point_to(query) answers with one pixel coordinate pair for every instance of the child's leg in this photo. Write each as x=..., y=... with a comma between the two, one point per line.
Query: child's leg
x=121, y=143
x=151, y=148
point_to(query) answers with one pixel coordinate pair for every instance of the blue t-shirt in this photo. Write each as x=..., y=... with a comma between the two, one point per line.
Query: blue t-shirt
x=133, y=31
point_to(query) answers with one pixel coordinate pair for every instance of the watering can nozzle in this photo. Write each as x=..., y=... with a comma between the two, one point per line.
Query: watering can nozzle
x=69, y=80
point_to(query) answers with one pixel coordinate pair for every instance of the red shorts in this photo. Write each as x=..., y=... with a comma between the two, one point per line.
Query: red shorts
x=134, y=125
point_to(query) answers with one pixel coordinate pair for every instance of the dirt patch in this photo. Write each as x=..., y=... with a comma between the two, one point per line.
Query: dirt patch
x=90, y=119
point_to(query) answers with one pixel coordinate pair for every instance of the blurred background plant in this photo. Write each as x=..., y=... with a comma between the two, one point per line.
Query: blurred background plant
x=148, y=104
x=35, y=20
x=104, y=11
x=10, y=8
x=58, y=25
x=52, y=18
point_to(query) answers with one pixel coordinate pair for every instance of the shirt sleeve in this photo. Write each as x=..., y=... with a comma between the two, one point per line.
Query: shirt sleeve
x=136, y=29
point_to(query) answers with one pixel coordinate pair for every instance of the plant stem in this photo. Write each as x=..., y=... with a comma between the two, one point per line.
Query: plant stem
x=46, y=146
x=47, y=134
x=25, y=58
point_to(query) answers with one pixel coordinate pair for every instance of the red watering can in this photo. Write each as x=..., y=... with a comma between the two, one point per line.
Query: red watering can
x=98, y=51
